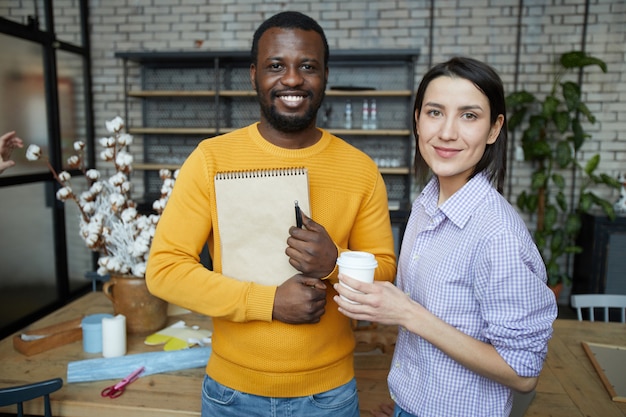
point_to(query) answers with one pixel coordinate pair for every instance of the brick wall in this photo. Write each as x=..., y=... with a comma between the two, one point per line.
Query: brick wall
x=484, y=29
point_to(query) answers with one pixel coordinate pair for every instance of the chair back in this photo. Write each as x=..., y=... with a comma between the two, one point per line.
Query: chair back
x=521, y=402
x=604, y=301
x=20, y=394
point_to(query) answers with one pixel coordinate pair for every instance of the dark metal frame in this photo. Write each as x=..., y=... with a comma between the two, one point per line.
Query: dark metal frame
x=46, y=37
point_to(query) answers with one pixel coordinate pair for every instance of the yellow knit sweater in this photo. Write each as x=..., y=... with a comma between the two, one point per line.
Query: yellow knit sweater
x=252, y=353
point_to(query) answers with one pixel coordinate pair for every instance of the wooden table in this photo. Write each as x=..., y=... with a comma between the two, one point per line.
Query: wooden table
x=568, y=386
x=167, y=394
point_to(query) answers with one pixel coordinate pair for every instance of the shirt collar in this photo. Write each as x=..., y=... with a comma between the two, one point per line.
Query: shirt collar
x=460, y=207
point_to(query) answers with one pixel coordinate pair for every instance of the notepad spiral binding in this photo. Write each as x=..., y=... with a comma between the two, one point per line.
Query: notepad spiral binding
x=260, y=173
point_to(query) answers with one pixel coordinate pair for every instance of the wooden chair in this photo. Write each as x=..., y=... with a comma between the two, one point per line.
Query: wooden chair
x=20, y=394
x=603, y=301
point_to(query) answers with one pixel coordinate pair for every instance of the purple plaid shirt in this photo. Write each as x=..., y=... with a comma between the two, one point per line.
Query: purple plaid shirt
x=472, y=263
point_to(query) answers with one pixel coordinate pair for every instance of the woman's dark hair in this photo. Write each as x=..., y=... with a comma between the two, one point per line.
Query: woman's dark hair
x=288, y=20
x=486, y=80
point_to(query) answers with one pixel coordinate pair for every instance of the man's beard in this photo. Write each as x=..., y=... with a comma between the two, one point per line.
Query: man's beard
x=289, y=123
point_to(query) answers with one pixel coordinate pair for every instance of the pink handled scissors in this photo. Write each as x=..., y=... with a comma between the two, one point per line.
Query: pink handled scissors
x=116, y=390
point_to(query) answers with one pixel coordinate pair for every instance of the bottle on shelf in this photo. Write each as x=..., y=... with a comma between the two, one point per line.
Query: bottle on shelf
x=373, y=123
x=326, y=117
x=365, y=124
x=348, y=115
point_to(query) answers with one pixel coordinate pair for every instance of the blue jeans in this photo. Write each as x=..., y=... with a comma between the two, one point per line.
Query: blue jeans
x=221, y=401
x=398, y=412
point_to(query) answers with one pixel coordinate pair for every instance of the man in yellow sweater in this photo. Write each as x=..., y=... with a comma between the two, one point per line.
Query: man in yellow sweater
x=280, y=350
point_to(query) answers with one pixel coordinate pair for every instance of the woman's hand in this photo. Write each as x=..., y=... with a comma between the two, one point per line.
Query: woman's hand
x=380, y=302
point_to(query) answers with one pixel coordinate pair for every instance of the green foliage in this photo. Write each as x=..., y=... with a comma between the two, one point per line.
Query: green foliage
x=552, y=133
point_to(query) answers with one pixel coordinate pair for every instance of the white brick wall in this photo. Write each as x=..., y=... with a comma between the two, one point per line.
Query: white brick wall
x=484, y=29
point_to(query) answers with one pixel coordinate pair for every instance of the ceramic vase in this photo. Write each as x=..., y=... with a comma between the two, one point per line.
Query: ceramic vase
x=144, y=312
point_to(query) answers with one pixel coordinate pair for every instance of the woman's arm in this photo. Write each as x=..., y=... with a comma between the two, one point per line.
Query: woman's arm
x=384, y=303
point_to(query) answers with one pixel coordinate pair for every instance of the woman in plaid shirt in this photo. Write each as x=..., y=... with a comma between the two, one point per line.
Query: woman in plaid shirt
x=471, y=302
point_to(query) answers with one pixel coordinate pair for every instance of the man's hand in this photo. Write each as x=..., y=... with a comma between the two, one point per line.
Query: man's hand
x=311, y=250
x=300, y=300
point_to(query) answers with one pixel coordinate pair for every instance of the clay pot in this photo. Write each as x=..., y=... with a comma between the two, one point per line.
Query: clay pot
x=144, y=312
x=556, y=289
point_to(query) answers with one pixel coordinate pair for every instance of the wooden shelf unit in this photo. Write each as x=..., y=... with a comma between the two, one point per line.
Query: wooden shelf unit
x=252, y=93
x=157, y=166
x=213, y=131
x=186, y=97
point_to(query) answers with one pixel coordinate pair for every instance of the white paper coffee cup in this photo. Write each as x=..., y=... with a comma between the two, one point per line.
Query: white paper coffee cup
x=357, y=265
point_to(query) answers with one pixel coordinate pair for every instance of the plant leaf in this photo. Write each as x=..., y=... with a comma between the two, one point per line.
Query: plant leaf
x=519, y=98
x=563, y=154
x=531, y=202
x=584, y=110
x=562, y=120
x=607, y=208
x=578, y=59
x=557, y=241
x=558, y=180
x=573, y=224
x=610, y=181
x=516, y=118
x=561, y=201
x=549, y=106
x=521, y=201
x=579, y=135
x=534, y=131
x=537, y=150
x=573, y=249
x=554, y=272
x=550, y=217
x=540, y=240
x=539, y=180
x=585, y=202
x=592, y=164
x=571, y=94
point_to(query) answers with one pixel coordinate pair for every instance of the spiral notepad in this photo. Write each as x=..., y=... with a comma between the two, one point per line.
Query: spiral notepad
x=254, y=212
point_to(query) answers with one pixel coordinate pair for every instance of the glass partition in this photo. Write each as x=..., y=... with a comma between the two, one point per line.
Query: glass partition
x=71, y=102
x=24, y=110
x=44, y=260
x=27, y=246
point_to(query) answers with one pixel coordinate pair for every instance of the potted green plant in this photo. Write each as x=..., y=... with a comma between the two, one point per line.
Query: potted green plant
x=552, y=134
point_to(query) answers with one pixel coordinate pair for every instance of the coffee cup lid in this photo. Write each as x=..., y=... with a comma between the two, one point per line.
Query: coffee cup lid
x=357, y=259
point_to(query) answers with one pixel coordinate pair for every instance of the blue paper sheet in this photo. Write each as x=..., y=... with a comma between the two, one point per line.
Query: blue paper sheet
x=153, y=362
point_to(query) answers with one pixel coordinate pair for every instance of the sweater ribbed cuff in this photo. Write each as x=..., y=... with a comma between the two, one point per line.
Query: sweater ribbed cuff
x=260, y=302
